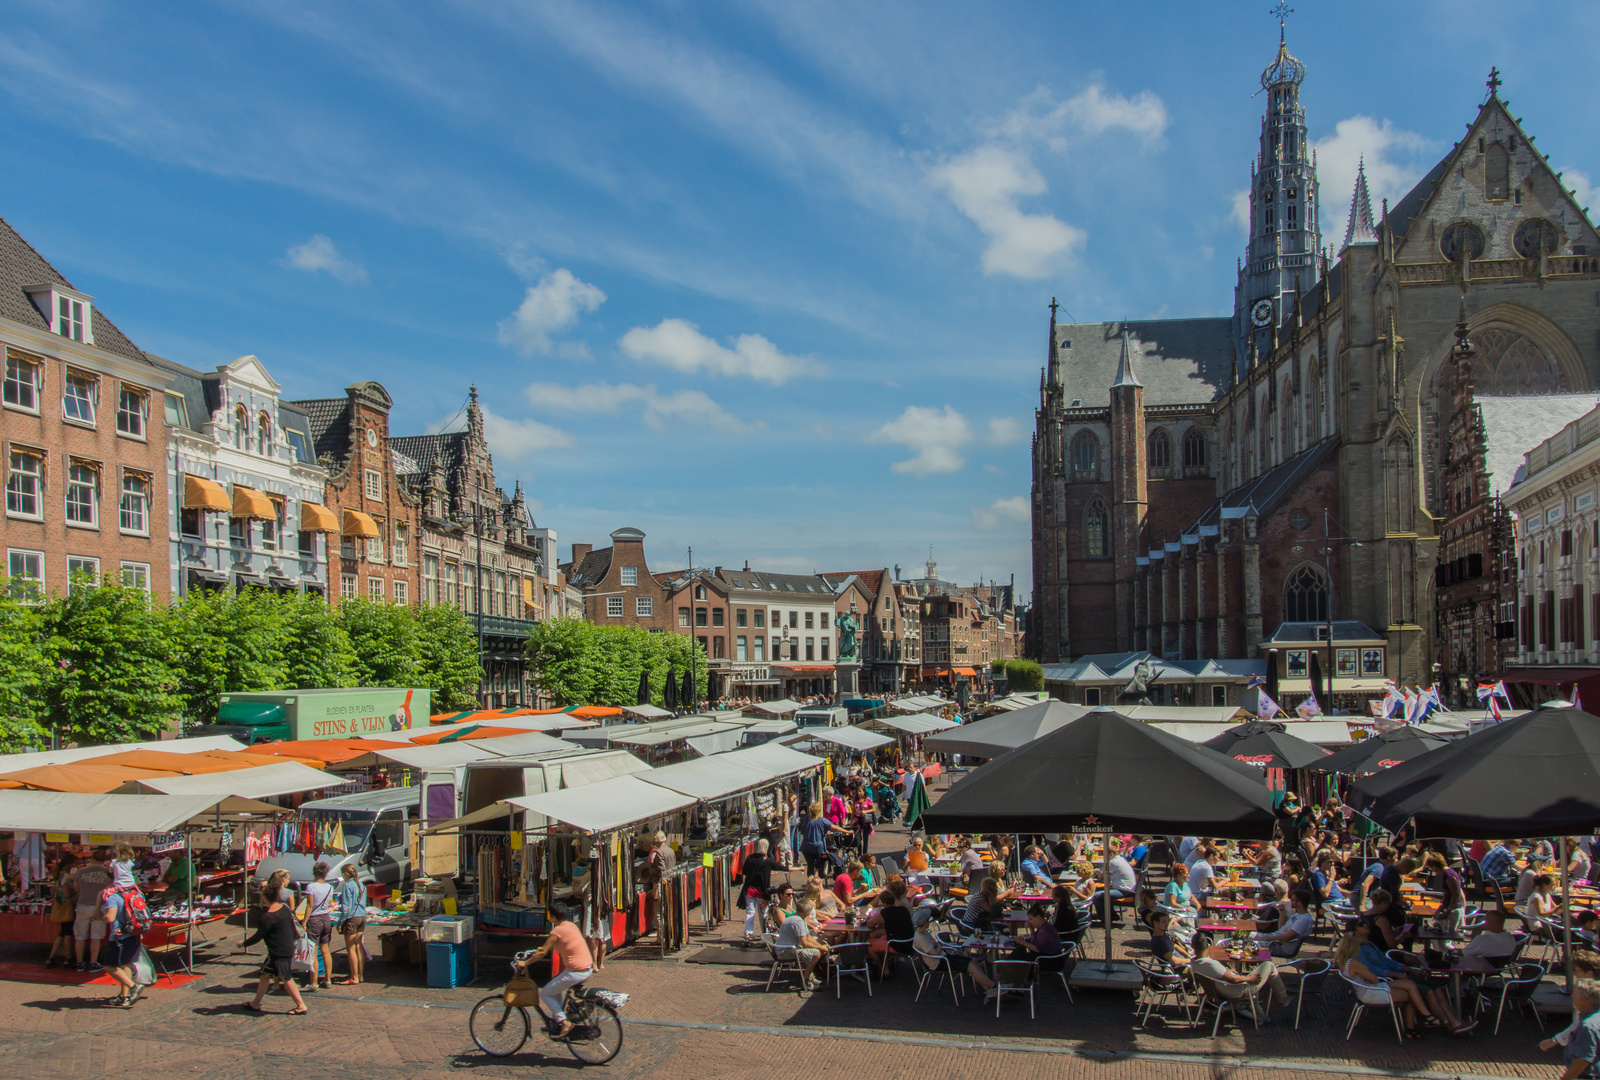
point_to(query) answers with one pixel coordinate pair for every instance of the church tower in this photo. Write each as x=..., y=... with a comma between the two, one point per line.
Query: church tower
x=1282, y=254
x=1129, y=491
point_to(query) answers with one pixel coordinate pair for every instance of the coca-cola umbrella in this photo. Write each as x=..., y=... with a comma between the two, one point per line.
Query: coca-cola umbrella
x=1266, y=744
x=1380, y=752
x=1106, y=773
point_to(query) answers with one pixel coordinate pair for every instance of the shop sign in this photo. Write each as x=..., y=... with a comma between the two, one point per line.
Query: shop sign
x=100, y=838
x=160, y=842
x=56, y=838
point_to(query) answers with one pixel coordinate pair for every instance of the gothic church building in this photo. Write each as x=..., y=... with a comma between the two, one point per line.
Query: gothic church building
x=1183, y=469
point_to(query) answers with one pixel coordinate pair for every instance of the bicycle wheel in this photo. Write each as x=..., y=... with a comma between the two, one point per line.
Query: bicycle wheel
x=498, y=1029
x=596, y=1032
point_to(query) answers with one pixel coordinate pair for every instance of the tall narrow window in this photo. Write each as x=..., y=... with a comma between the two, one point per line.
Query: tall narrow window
x=1085, y=453
x=69, y=318
x=133, y=513
x=1194, y=450
x=77, y=398
x=22, y=383
x=1305, y=596
x=1496, y=172
x=263, y=435
x=131, y=411
x=82, y=480
x=1160, y=449
x=22, y=484
x=241, y=426
x=1096, y=531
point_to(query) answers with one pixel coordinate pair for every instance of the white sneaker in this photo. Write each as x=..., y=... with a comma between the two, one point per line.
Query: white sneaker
x=990, y=994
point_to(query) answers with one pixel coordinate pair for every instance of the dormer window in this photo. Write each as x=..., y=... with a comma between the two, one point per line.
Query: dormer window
x=69, y=312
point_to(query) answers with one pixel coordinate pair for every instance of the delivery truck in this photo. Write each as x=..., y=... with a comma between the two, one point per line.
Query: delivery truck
x=320, y=714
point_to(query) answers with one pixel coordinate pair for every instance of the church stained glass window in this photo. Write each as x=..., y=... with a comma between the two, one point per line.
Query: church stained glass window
x=1194, y=450
x=1160, y=449
x=1085, y=453
x=1096, y=531
x=1305, y=596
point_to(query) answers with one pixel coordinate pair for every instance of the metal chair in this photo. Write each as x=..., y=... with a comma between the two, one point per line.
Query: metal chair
x=852, y=958
x=1014, y=977
x=1160, y=983
x=1213, y=994
x=1357, y=988
x=1312, y=973
x=1060, y=965
x=890, y=864
x=779, y=961
x=895, y=948
x=1516, y=989
x=940, y=969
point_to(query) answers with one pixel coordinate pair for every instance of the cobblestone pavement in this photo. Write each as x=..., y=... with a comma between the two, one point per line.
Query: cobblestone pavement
x=707, y=1021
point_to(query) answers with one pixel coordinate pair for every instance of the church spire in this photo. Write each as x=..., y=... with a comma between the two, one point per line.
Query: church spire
x=1054, y=366
x=1125, y=375
x=1362, y=229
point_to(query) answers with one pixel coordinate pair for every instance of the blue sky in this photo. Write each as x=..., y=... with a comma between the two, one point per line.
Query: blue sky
x=768, y=279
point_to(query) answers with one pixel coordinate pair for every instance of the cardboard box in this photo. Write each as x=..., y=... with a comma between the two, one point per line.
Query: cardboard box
x=396, y=946
x=416, y=951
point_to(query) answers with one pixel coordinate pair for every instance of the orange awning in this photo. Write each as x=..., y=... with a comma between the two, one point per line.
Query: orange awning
x=358, y=524
x=968, y=672
x=594, y=712
x=318, y=752
x=455, y=733
x=168, y=763
x=82, y=777
x=314, y=517
x=202, y=494
x=250, y=503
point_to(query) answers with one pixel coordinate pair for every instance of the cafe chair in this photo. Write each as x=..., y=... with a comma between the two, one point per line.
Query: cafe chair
x=1160, y=983
x=1211, y=993
x=1540, y=931
x=852, y=958
x=940, y=971
x=1309, y=974
x=890, y=864
x=1060, y=965
x=781, y=962
x=1513, y=986
x=1014, y=977
x=1366, y=998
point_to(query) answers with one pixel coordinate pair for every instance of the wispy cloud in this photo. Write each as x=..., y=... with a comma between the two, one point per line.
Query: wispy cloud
x=554, y=304
x=678, y=344
x=936, y=436
x=661, y=411
x=512, y=440
x=1005, y=430
x=319, y=253
x=1000, y=513
x=1091, y=111
x=1395, y=160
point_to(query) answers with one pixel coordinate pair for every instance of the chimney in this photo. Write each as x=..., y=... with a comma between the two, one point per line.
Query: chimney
x=716, y=572
x=579, y=551
x=747, y=566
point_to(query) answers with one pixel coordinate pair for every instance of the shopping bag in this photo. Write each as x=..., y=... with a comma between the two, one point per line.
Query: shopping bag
x=305, y=956
x=144, y=968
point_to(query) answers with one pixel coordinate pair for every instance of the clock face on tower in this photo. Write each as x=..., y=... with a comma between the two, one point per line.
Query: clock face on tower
x=1261, y=312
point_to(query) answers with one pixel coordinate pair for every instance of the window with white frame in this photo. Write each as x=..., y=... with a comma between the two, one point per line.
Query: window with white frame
x=264, y=435
x=133, y=512
x=374, y=588
x=77, y=397
x=347, y=586
x=241, y=426
x=644, y=607
x=430, y=580
x=83, y=480
x=83, y=571
x=613, y=607
x=22, y=483
x=24, y=378
x=630, y=575
x=401, y=593
x=400, y=554
x=136, y=575
x=272, y=528
x=374, y=485
x=71, y=319
x=132, y=406
x=26, y=572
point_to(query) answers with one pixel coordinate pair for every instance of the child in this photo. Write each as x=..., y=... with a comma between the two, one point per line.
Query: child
x=122, y=866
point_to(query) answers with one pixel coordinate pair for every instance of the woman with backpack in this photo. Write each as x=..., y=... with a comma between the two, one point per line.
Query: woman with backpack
x=126, y=917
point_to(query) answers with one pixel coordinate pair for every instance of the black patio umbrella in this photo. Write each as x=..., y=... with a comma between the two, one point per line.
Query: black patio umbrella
x=1272, y=674
x=688, y=696
x=1004, y=732
x=1380, y=752
x=1108, y=773
x=1266, y=744
x=1322, y=697
x=669, y=691
x=644, y=688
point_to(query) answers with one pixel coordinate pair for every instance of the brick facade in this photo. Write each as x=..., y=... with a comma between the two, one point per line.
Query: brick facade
x=617, y=585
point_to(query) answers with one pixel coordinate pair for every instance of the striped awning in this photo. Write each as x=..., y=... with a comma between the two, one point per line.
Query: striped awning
x=358, y=524
x=202, y=494
x=314, y=517
x=250, y=503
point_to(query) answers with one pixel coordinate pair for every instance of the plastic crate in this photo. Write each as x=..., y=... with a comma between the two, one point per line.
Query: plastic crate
x=515, y=918
x=450, y=929
x=449, y=965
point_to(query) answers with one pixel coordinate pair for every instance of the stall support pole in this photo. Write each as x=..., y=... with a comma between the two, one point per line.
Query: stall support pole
x=1566, y=913
x=1105, y=858
x=188, y=875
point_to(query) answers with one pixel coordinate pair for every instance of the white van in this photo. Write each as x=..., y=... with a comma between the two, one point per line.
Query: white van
x=830, y=716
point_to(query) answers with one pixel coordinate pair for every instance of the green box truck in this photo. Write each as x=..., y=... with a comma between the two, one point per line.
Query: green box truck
x=320, y=714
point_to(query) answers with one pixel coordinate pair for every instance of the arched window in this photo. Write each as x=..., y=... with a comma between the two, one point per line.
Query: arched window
x=263, y=434
x=1160, y=449
x=1305, y=596
x=1399, y=484
x=1497, y=172
x=1096, y=531
x=1194, y=451
x=241, y=426
x=1085, y=453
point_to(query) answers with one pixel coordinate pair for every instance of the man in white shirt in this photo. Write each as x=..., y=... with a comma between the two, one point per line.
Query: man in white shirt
x=1286, y=942
x=1494, y=942
x=1186, y=848
x=1201, y=874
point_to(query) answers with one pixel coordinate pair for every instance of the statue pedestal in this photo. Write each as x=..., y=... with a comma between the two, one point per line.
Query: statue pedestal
x=846, y=675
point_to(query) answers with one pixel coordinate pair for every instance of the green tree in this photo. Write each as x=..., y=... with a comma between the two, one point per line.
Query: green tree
x=448, y=656
x=226, y=643
x=317, y=649
x=385, y=640
x=22, y=672
x=109, y=675
x=578, y=663
x=1024, y=675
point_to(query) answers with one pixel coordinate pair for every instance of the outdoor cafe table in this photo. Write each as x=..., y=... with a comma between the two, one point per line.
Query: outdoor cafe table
x=1244, y=959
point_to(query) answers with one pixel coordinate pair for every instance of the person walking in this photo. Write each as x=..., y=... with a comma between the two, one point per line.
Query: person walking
x=352, y=901
x=321, y=902
x=757, y=884
x=63, y=910
x=278, y=929
x=121, y=945
x=92, y=878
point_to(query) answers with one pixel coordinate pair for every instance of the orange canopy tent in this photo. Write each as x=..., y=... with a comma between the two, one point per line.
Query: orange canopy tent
x=461, y=732
x=486, y=715
x=594, y=712
x=168, y=763
x=320, y=752
x=92, y=777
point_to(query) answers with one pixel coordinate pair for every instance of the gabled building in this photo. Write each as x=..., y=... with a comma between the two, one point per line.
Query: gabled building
x=887, y=664
x=619, y=590
x=85, y=435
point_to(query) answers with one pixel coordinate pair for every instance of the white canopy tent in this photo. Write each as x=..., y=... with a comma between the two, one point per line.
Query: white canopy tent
x=260, y=782
x=10, y=763
x=609, y=804
x=852, y=737
x=915, y=724
x=781, y=707
x=1319, y=732
x=647, y=711
x=721, y=775
x=129, y=815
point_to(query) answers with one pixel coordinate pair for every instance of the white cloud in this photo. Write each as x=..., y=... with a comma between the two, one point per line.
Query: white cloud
x=1395, y=160
x=1092, y=111
x=1004, y=430
x=553, y=304
x=680, y=345
x=660, y=411
x=512, y=440
x=937, y=436
x=1239, y=210
x=1001, y=512
x=1582, y=189
x=319, y=253
x=985, y=184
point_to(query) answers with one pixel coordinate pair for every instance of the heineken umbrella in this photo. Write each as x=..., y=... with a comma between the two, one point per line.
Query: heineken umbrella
x=1266, y=744
x=1107, y=773
x=1004, y=732
x=644, y=688
x=1379, y=752
x=916, y=800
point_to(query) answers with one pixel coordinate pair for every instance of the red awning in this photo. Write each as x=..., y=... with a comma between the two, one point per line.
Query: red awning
x=807, y=669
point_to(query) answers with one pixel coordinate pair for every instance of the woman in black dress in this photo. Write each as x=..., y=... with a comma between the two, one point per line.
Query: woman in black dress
x=280, y=931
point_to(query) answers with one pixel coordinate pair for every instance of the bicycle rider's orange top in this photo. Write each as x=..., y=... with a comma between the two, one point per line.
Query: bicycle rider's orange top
x=571, y=947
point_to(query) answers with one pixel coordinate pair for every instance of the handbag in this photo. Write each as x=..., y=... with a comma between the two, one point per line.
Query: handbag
x=521, y=990
x=305, y=955
x=144, y=968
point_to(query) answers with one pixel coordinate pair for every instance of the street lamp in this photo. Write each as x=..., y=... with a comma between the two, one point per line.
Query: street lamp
x=1328, y=540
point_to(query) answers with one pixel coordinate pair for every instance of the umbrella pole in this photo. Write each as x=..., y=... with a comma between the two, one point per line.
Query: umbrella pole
x=1105, y=859
x=1566, y=913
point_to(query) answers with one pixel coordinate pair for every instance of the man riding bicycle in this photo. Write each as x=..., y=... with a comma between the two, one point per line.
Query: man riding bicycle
x=577, y=964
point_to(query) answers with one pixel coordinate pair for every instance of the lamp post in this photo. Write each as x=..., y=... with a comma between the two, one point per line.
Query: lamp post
x=476, y=521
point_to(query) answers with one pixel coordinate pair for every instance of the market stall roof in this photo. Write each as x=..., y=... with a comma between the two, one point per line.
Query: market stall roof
x=609, y=804
x=662, y=736
x=853, y=737
x=915, y=724
x=917, y=704
x=782, y=760
x=1317, y=732
x=649, y=712
x=781, y=707
x=711, y=777
x=13, y=762
x=83, y=777
x=260, y=782
x=771, y=727
x=594, y=712
x=462, y=732
x=350, y=753
x=187, y=764
x=444, y=756
x=1004, y=732
x=138, y=815
x=1188, y=714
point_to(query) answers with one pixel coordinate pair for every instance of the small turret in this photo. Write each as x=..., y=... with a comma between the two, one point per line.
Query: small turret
x=1361, y=229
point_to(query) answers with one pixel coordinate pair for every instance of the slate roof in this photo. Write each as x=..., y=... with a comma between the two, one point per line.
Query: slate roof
x=1343, y=630
x=1179, y=361
x=1268, y=491
x=1513, y=425
x=591, y=570
x=21, y=264
x=291, y=418
x=422, y=451
x=803, y=586
x=330, y=425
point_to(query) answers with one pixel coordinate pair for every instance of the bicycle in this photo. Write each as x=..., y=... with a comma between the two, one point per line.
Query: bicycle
x=500, y=1030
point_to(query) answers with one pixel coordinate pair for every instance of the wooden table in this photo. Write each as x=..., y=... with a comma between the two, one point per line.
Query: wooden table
x=1245, y=960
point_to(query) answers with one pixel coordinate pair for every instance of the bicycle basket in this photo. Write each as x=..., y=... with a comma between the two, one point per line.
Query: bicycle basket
x=614, y=998
x=521, y=990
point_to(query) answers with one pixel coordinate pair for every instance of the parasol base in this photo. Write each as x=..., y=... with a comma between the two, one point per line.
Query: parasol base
x=1092, y=975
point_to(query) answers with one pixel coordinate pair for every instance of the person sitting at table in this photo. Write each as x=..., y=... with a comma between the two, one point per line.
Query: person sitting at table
x=1380, y=918
x=1587, y=928
x=1323, y=879
x=1493, y=946
x=1578, y=865
x=935, y=956
x=871, y=874
x=1498, y=863
x=1070, y=926
x=1542, y=906
x=1275, y=913
x=1178, y=897
x=1268, y=861
x=1162, y=945
x=1434, y=989
x=998, y=870
x=1527, y=881
x=983, y=906
x=1202, y=875
x=1287, y=941
x=1042, y=939
x=1084, y=887
x=1229, y=984
x=970, y=863
x=891, y=926
x=782, y=905
x=917, y=857
x=1186, y=847
x=797, y=942
x=1121, y=881
x=1034, y=870
x=826, y=901
x=1146, y=907
x=1372, y=988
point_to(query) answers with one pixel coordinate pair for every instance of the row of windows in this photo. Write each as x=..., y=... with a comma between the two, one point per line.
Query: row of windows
x=755, y=648
x=814, y=620
x=80, y=396
x=447, y=582
x=26, y=570
x=25, y=491
x=349, y=589
x=1085, y=451
x=644, y=607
